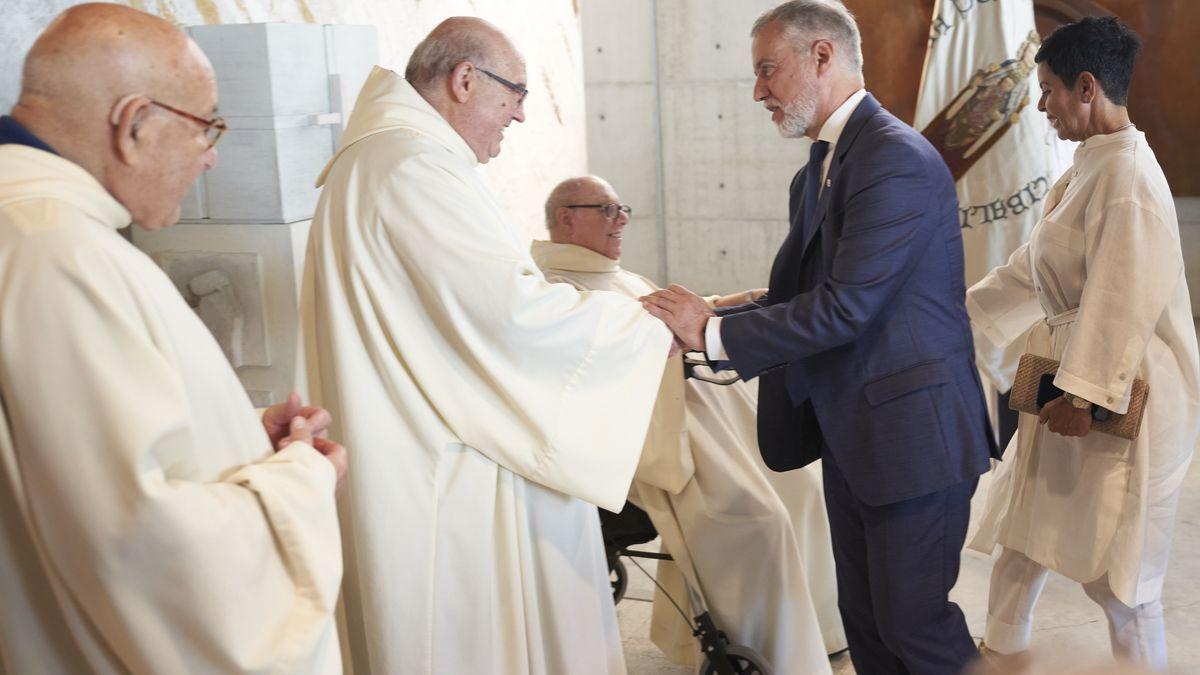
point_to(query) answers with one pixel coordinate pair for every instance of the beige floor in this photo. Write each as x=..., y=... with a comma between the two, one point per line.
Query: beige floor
x=1067, y=625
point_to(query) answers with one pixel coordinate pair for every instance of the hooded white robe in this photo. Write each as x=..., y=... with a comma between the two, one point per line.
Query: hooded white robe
x=727, y=523
x=486, y=409
x=145, y=524
x=1101, y=282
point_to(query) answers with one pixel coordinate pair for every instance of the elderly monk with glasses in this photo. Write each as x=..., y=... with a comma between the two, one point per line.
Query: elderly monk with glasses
x=466, y=384
x=151, y=520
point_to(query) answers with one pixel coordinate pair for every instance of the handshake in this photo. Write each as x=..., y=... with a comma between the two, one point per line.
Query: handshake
x=687, y=314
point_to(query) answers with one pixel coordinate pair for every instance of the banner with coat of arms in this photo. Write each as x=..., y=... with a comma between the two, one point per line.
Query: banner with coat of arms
x=978, y=106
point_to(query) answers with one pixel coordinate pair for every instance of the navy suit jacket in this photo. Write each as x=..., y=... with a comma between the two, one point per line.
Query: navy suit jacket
x=862, y=344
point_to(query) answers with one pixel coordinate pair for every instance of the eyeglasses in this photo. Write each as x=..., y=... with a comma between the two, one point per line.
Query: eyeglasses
x=610, y=210
x=213, y=129
x=519, y=89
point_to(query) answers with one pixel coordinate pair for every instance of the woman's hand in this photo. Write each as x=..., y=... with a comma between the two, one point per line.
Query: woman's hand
x=1065, y=419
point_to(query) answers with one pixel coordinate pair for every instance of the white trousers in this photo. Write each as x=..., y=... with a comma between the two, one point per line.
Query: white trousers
x=1137, y=633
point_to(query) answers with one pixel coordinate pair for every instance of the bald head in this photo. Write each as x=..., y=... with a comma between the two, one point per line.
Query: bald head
x=576, y=214
x=98, y=86
x=457, y=39
x=93, y=54
x=473, y=75
x=571, y=191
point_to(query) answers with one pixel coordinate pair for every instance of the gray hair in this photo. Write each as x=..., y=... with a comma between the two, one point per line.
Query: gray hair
x=442, y=50
x=807, y=20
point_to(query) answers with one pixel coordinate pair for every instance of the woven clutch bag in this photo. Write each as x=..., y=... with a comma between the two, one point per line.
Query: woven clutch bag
x=1023, y=397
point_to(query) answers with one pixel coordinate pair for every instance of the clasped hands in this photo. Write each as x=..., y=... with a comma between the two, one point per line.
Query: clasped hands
x=290, y=422
x=684, y=312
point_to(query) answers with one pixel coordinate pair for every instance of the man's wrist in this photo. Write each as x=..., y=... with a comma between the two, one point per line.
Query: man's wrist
x=714, y=348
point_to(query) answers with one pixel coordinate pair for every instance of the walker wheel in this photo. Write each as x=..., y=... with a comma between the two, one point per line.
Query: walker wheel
x=744, y=660
x=618, y=576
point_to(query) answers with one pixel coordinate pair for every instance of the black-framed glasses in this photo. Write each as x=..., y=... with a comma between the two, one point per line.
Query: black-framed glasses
x=610, y=209
x=519, y=89
x=213, y=129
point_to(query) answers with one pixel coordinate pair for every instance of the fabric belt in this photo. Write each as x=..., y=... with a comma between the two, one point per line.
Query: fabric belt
x=1063, y=318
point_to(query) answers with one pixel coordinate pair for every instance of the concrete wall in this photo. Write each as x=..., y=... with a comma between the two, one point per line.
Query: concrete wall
x=672, y=124
x=536, y=155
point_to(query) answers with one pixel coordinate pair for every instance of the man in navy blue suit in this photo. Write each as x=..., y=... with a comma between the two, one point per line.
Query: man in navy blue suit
x=862, y=345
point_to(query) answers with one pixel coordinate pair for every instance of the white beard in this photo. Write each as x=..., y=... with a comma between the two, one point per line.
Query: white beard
x=798, y=114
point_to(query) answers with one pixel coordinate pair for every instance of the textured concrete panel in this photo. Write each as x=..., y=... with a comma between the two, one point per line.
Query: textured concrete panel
x=623, y=142
x=706, y=40
x=723, y=158
x=618, y=40
x=722, y=256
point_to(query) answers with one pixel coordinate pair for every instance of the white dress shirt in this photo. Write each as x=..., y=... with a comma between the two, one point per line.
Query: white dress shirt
x=831, y=131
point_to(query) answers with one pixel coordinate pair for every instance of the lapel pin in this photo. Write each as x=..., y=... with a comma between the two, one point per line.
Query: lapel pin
x=828, y=183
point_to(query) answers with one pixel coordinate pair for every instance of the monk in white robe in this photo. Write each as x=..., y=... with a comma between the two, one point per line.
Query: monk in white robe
x=469, y=386
x=700, y=478
x=1101, y=283
x=146, y=525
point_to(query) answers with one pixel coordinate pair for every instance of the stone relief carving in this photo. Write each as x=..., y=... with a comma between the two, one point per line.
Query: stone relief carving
x=216, y=302
x=226, y=290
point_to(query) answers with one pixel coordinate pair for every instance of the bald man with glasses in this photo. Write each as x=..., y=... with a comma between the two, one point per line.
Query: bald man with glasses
x=151, y=521
x=756, y=545
x=466, y=384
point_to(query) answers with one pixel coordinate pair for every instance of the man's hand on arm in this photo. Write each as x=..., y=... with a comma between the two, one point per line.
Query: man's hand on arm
x=684, y=312
x=289, y=422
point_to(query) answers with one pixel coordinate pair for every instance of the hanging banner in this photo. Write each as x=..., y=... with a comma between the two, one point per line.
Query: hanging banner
x=978, y=107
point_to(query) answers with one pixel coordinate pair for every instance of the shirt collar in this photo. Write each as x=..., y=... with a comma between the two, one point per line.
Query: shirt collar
x=571, y=258
x=13, y=132
x=832, y=129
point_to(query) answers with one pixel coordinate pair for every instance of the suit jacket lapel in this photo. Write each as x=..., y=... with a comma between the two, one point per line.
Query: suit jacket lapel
x=858, y=119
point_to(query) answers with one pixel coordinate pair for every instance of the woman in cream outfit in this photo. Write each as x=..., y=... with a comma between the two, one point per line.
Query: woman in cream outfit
x=1101, y=284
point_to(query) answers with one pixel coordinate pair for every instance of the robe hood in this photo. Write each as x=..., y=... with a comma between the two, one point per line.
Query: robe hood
x=571, y=257
x=28, y=173
x=387, y=102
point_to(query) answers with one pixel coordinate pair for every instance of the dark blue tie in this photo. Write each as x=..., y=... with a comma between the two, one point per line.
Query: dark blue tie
x=812, y=184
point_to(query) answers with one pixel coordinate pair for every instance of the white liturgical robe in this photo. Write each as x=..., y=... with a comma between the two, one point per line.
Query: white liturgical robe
x=146, y=525
x=488, y=410
x=1101, y=281
x=727, y=523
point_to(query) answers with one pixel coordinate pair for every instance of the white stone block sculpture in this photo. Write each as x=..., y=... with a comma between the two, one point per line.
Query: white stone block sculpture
x=243, y=280
x=285, y=91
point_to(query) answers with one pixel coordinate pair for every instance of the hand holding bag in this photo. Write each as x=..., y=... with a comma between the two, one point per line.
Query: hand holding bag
x=1024, y=397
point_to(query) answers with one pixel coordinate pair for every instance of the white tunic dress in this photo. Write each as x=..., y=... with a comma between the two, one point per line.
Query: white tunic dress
x=486, y=409
x=726, y=521
x=1101, y=281
x=145, y=525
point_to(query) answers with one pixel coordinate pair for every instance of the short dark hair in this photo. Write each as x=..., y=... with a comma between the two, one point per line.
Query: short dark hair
x=1101, y=46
